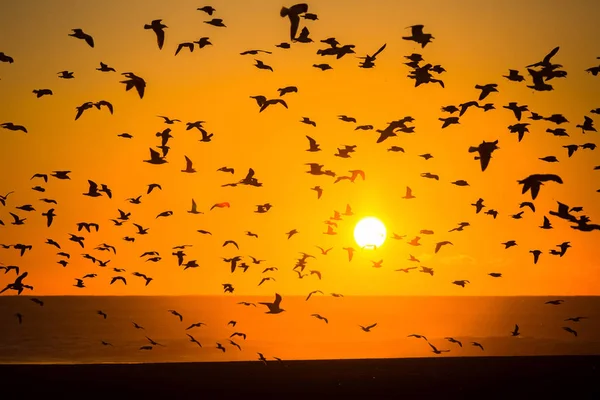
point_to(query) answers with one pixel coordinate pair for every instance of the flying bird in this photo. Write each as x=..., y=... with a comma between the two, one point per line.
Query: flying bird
x=159, y=29
x=293, y=14
x=80, y=34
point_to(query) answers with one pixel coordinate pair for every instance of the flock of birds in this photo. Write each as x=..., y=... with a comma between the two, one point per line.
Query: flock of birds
x=539, y=73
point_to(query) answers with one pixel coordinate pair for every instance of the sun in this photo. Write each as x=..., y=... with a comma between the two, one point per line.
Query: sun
x=369, y=232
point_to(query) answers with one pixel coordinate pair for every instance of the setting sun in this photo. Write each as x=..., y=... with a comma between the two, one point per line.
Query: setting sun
x=369, y=232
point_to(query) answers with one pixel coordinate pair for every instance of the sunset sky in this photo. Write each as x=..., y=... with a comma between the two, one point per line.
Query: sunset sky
x=476, y=42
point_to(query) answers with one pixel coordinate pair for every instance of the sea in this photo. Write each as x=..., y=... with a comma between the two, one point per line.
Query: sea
x=69, y=329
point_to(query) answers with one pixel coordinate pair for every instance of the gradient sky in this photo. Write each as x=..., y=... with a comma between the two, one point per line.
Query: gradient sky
x=476, y=42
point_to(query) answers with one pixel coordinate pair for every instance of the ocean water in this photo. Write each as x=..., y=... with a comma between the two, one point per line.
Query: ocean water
x=69, y=330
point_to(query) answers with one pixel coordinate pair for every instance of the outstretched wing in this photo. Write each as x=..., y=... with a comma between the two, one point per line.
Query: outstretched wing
x=19, y=279
x=550, y=55
x=379, y=51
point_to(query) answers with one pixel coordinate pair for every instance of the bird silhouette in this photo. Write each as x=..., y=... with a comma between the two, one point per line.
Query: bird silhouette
x=418, y=36
x=80, y=34
x=274, y=307
x=293, y=14
x=159, y=29
x=368, y=328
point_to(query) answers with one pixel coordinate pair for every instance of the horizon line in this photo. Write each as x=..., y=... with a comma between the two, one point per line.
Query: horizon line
x=293, y=295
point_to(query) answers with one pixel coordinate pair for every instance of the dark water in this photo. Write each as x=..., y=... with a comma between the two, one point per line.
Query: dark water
x=68, y=329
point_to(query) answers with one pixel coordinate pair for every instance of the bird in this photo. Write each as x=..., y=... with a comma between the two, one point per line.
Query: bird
x=452, y=340
x=218, y=22
x=207, y=9
x=318, y=316
x=134, y=81
x=13, y=127
x=66, y=74
x=485, y=150
x=536, y=255
x=534, y=182
x=408, y=194
x=477, y=344
x=439, y=245
x=435, y=349
x=288, y=89
x=461, y=283
x=261, y=65
x=80, y=34
x=369, y=60
x=118, y=278
x=418, y=36
x=515, y=331
x=449, y=121
x=368, y=327
x=322, y=66
x=588, y=125
x=312, y=293
x=175, y=313
x=514, y=75
x=42, y=92
x=486, y=90
x=293, y=14
x=159, y=29
x=105, y=68
x=516, y=109
x=188, y=166
x=274, y=307
x=193, y=340
x=570, y=330
x=575, y=319
x=6, y=58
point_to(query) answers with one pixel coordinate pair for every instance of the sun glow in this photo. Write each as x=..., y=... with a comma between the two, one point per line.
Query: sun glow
x=369, y=233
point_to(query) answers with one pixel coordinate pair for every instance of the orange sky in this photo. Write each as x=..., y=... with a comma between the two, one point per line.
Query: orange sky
x=476, y=42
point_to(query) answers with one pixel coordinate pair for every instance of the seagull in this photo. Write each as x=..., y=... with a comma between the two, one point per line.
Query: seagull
x=570, y=330
x=218, y=22
x=80, y=34
x=134, y=81
x=368, y=328
x=318, y=316
x=158, y=27
x=293, y=13
x=193, y=340
x=274, y=307
x=418, y=36
x=515, y=332
x=436, y=351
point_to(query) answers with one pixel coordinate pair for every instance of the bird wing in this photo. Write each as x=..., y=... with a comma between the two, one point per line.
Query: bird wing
x=484, y=159
x=379, y=51
x=20, y=278
x=182, y=45
x=89, y=40
x=278, y=299
x=550, y=55
x=417, y=30
x=550, y=177
x=294, y=23
x=154, y=154
x=160, y=37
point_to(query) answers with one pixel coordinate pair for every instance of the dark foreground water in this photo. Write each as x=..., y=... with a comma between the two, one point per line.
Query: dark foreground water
x=69, y=330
